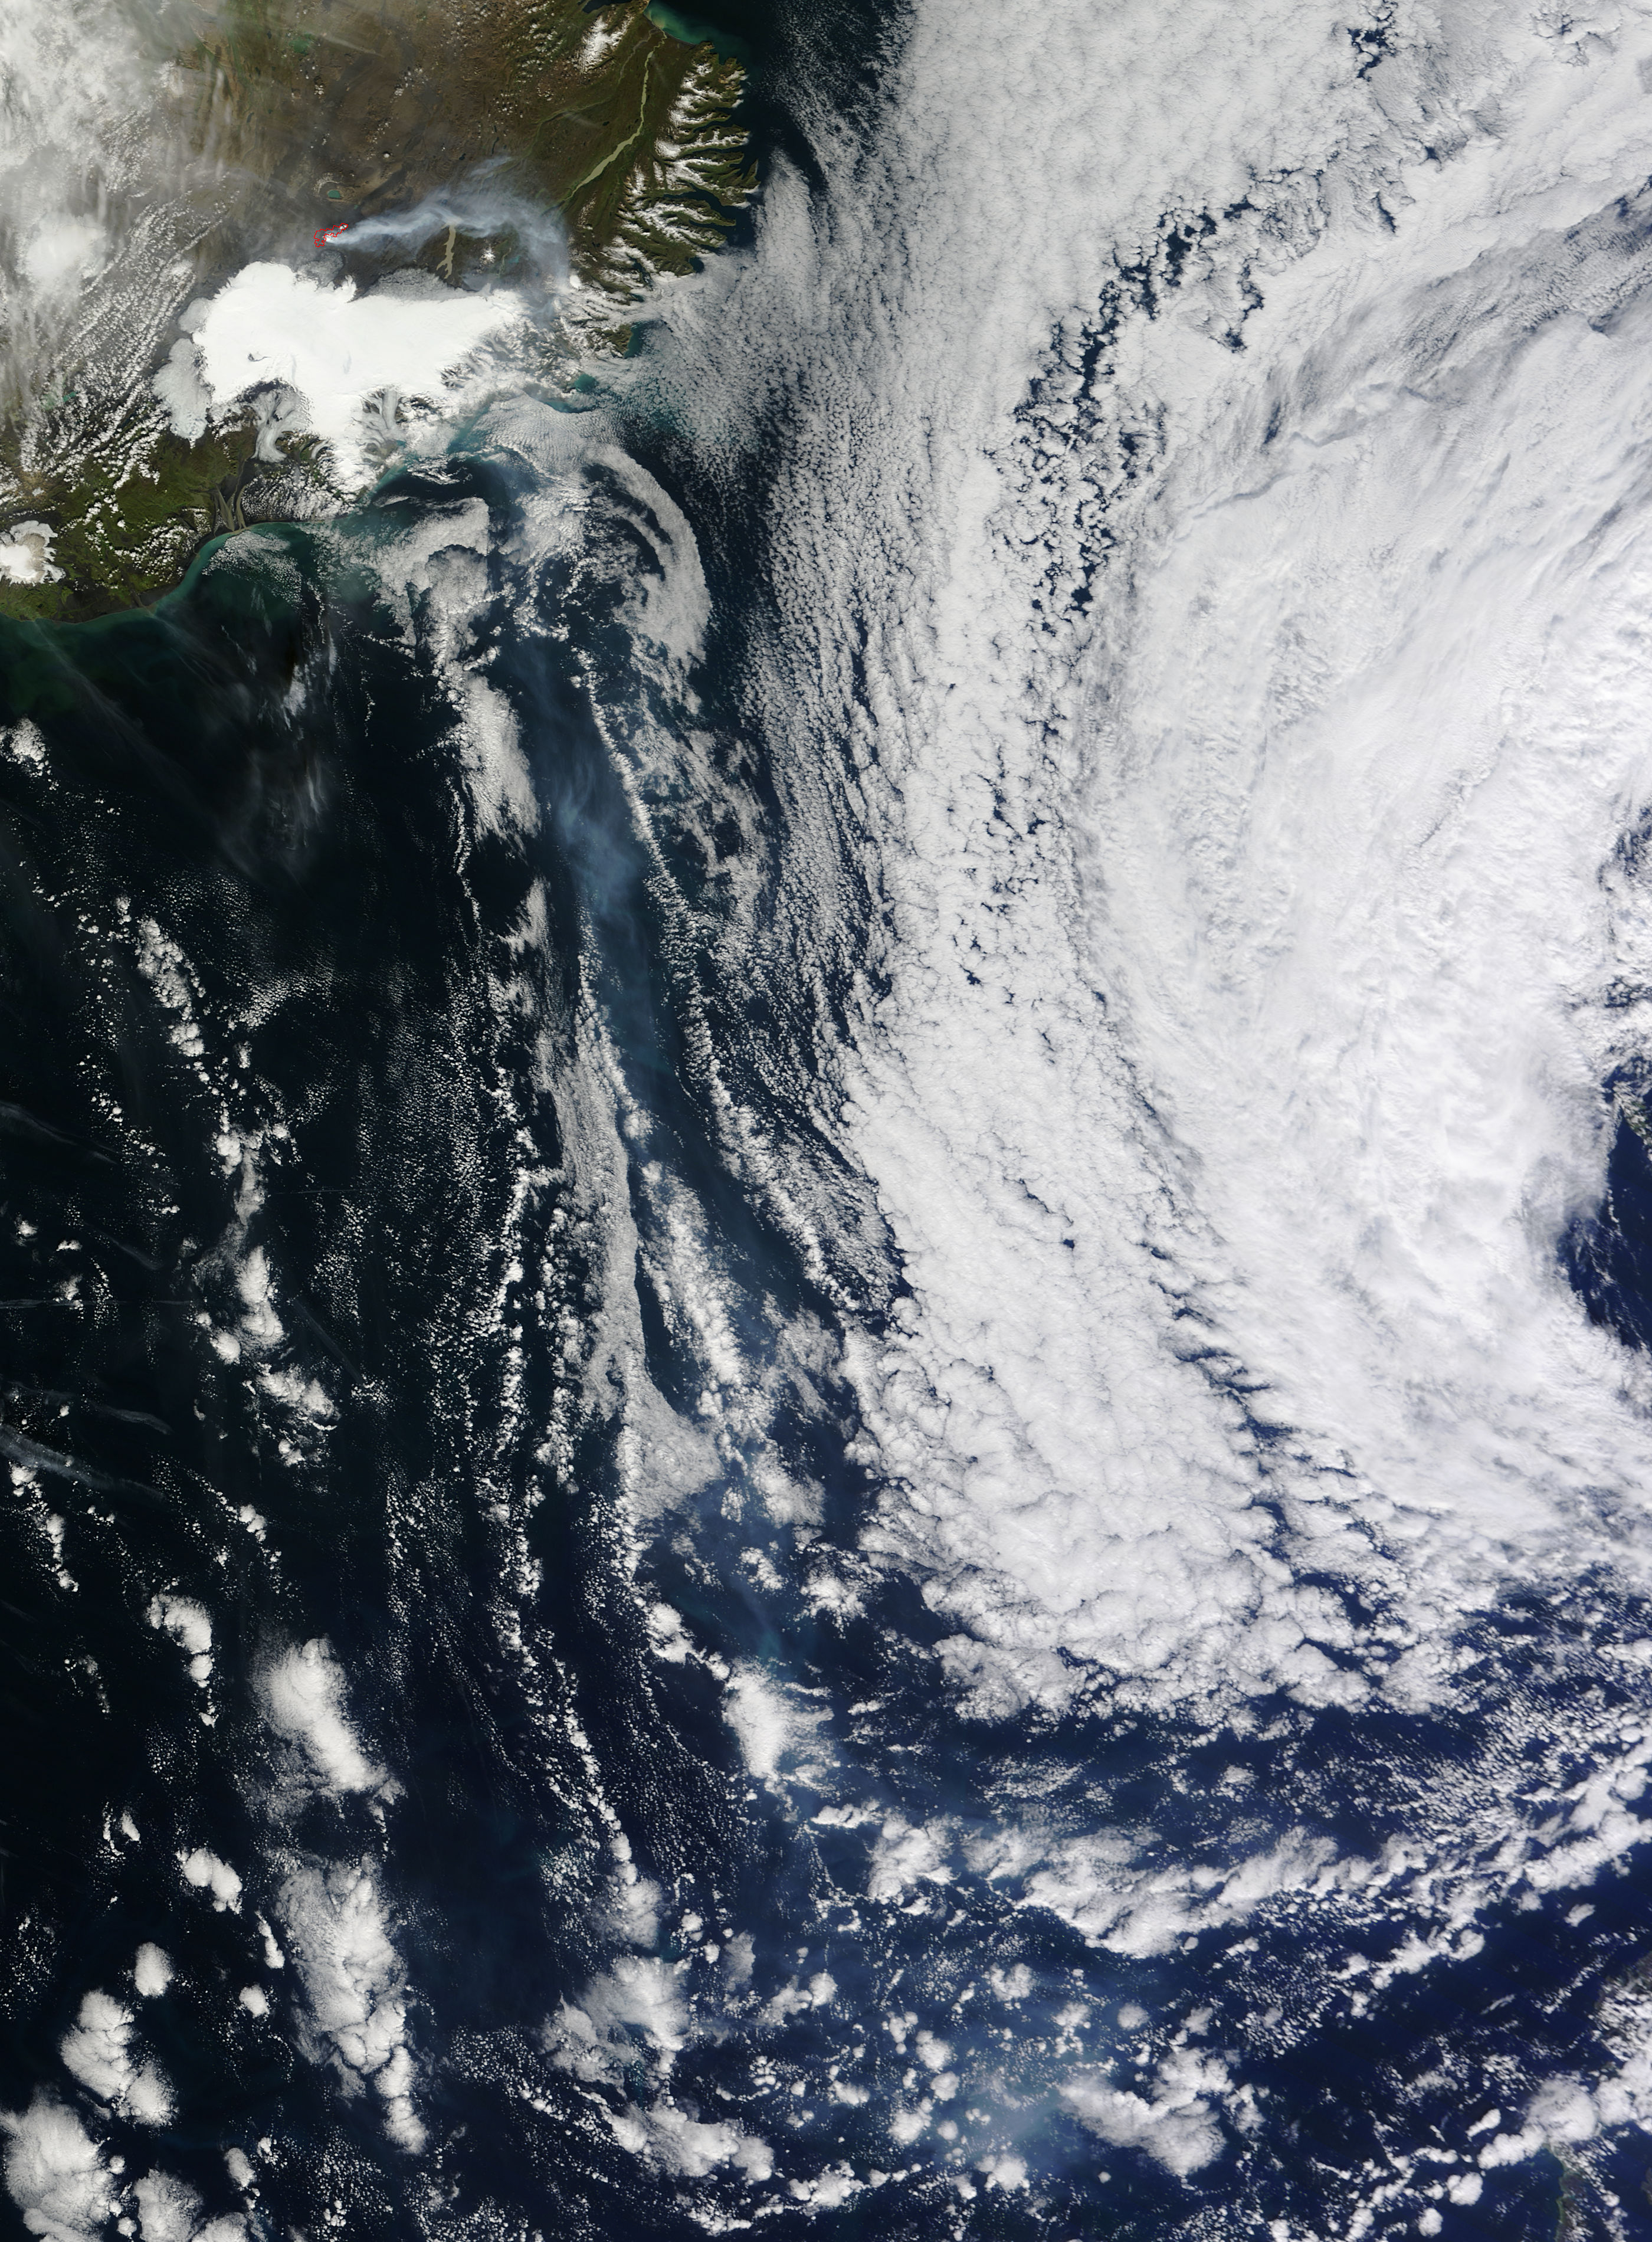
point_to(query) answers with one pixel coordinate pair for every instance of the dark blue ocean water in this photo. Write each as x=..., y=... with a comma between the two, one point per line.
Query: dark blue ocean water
x=364, y=1086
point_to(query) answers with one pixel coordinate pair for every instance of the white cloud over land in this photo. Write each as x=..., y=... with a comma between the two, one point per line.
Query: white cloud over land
x=330, y=352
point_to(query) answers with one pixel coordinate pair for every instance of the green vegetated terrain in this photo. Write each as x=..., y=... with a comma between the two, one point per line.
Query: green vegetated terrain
x=603, y=114
x=311, y=113
x=128, y=516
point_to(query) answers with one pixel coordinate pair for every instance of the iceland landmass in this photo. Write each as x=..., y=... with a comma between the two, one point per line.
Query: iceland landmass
x=279, y=121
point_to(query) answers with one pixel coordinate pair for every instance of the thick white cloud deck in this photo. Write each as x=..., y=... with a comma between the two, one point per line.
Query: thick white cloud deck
x=1238, y=1066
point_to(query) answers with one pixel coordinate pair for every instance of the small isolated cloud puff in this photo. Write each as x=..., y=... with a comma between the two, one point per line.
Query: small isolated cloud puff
x=303, y=1694
x=771, y=1725
x=755, y=1710
x=170, y=2210
x=207, y=1873
x=152, y=1972
x=55, y=2171
x=634, y=2006
x=97, y=2051
x=63, y=253
x=667, y=2135
x=190, y=1627
x=1564, y=2112
x=356, y=1988
x=180, y=389
x=1178, y=2127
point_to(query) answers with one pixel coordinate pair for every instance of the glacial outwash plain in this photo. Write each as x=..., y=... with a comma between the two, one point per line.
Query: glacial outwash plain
x=570, y=155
